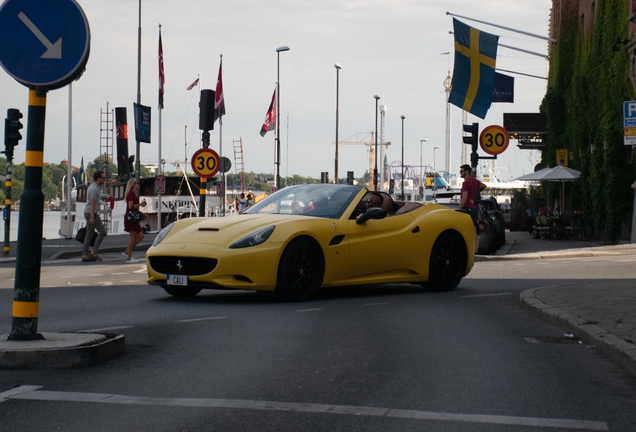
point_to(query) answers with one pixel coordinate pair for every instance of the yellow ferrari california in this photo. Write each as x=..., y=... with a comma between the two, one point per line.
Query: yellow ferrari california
x=305, y=237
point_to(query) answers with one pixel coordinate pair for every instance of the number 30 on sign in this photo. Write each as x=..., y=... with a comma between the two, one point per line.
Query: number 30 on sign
x=205, y=162
x=494, y=140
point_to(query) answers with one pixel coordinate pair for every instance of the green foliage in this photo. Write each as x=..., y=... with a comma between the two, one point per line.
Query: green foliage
x=587, y=86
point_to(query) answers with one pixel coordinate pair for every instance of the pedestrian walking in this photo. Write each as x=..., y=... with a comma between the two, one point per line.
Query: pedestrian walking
x=132, y=226
x=93, y=220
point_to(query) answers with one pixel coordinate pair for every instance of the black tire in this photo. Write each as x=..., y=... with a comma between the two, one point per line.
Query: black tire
x=182, y=292
x=447, y=264
x=300, y=271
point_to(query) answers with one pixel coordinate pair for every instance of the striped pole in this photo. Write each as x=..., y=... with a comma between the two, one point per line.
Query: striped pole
x=24, y=324
x=7, y=202
x=202, y=192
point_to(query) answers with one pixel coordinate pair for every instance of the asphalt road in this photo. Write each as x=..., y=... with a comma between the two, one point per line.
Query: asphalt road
x=375, y=358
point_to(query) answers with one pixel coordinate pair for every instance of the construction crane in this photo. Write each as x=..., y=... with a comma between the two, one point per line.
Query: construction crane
x=369, y=140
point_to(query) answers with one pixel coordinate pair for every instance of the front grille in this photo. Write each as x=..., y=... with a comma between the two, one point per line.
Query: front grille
x=188, y=266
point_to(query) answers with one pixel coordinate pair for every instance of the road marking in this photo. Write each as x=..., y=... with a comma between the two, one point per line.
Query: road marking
x=375, y=304
x=104, y=329
x=31, y=393
x=486, y=295
x=308, y=310
x=201, y=319
x=17, y=391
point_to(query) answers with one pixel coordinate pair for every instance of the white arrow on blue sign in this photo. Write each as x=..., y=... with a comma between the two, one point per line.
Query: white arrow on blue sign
x=45, y=43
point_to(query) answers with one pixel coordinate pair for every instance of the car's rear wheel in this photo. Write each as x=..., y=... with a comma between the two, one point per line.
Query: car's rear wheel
x=447, y=264
x=300, y=271
x=182, y=292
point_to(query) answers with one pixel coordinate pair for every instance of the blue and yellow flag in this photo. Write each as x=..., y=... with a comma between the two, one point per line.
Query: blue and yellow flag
x=474, y=71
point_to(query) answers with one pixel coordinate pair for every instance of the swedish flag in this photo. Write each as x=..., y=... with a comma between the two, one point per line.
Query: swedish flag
x=474, y=71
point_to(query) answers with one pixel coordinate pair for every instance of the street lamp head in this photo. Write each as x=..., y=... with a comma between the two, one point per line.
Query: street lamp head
x=282, y=48
x=402, y=117
x=337, y=66
x=423, y=140
x=436, y=148
x=376, y=97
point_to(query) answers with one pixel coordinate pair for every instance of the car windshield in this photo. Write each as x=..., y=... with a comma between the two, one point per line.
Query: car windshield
x=321, y=200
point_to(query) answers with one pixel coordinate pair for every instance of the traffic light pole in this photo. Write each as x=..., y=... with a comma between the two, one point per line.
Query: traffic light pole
x=24, y=324
x=203, y=187
x=7, y=201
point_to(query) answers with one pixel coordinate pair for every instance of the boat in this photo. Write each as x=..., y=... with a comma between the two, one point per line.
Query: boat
x=180, y=200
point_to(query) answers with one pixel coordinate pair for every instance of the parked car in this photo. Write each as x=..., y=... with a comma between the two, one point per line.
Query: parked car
x=496, y=215
x=487, y=229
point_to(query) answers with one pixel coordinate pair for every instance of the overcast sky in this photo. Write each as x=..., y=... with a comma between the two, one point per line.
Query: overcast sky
x=390, y=48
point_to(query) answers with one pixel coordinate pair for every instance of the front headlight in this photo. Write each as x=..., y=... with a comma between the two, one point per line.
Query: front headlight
x=253, y=239
x=162, y=234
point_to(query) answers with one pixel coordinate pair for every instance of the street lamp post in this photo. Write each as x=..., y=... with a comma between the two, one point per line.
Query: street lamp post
x=403, y=194
x=421, y=166
x=375, y=170
x=278, y=51
x=434, y=172
x=335, y=172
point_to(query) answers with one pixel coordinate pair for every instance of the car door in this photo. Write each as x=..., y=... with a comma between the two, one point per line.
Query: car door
x=382, y=245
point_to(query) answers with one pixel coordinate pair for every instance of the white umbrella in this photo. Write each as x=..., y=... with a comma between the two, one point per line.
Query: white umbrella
x=552, y=174
x=558, y=173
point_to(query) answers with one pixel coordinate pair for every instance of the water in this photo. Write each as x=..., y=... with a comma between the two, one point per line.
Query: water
x=50, y=225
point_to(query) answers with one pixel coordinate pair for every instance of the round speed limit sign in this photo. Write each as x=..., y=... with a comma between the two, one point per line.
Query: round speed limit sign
x=205, y=163
x=494, y=140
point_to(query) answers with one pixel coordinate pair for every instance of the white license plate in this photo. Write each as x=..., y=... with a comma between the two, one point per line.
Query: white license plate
x=180, y=280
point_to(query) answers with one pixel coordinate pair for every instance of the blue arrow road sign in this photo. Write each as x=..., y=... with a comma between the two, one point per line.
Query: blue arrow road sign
x=44, y=43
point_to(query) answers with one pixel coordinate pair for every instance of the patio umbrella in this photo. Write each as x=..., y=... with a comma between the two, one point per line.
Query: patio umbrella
x=552, y=174
x=557, y=173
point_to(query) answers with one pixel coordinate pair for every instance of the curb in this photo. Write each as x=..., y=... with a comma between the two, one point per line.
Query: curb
x=615, y=348
x=545, y=255
x=76, y=253
x=63, y=353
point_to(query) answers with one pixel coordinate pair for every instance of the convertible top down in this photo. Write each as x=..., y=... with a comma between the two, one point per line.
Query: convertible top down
x=304, y=237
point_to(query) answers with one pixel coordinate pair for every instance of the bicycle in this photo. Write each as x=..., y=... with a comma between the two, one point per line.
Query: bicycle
x=583, y=230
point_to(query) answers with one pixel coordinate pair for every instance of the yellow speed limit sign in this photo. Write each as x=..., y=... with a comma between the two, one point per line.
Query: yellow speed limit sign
x=206, y=163
x=494, y=140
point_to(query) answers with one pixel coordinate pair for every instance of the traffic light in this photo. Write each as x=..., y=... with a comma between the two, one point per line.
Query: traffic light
x=206, y=110
x=12, y=126
x=392, y=187
x=473, y=137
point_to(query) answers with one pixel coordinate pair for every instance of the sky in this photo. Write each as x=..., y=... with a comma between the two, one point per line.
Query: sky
x=393, y=49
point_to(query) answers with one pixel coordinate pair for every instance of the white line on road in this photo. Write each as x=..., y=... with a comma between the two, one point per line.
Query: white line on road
x=308, y=310
x=201, y=319
x=105, y=329
x=104, y=398
x=486, y=295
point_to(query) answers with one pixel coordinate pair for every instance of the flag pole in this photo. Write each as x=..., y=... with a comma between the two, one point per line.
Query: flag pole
x=549, y=39
x=221, y=150
x=161, y=96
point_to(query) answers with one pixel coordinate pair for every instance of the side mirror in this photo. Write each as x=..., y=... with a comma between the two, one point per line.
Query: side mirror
x=372, y=213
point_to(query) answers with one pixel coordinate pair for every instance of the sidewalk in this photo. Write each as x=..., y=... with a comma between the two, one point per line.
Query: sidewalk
x=603, y=316
x=68, y=248
x=599, y=315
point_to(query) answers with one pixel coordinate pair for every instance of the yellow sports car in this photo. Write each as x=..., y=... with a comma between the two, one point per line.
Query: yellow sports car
x=305, y=237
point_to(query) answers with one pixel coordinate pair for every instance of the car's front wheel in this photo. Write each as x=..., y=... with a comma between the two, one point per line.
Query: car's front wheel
x=300, y=271
x=447, y=264
x=182, y=292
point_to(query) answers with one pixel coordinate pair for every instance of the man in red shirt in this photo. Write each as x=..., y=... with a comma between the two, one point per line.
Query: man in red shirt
x=469, y=192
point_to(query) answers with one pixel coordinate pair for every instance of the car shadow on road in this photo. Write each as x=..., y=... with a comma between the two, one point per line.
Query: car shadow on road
x=268, y=297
